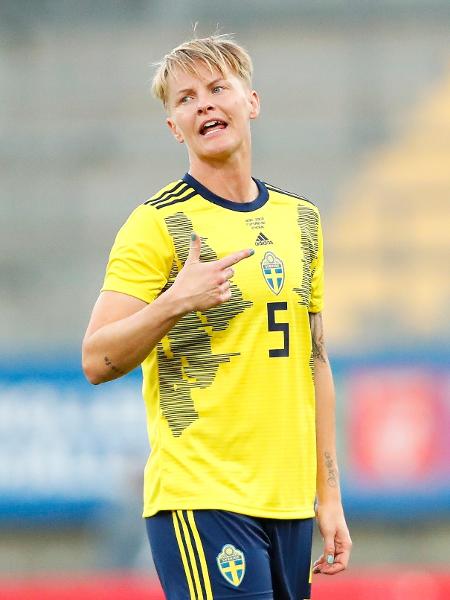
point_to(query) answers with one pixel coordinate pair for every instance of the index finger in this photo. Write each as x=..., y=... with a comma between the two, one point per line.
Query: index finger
x=232, y=259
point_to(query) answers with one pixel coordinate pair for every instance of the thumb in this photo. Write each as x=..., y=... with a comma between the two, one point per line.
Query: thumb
x=329, y=549
x=194, y=248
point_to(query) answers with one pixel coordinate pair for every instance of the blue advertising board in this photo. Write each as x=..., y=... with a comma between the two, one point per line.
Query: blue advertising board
x=66, y=447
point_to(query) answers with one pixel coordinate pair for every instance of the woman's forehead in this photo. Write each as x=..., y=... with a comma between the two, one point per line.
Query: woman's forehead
x=200, y=73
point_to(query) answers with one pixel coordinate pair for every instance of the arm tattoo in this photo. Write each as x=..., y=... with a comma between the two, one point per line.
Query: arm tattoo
x=113, y=368
x=332, y=479
x=318, y=344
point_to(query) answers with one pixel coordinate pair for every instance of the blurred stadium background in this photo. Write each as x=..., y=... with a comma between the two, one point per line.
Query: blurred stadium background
x=356, y=116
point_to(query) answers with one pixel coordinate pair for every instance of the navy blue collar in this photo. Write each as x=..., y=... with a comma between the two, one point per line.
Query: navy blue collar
x=262, y=198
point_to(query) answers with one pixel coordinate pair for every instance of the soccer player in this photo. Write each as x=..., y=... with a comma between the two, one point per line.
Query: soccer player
x=214, y=285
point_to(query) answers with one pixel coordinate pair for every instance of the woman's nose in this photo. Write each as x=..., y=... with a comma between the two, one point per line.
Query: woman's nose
x=204, y=107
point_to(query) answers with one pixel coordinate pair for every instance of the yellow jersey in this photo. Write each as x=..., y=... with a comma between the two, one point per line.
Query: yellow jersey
x=229, y=392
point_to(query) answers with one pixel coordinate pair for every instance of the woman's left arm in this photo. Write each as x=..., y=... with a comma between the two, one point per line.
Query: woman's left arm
x=329, y=511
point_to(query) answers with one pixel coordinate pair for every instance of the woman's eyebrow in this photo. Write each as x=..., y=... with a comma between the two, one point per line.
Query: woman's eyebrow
x=184, y=91
x=190, y=90
x=209, y=84
x=214, y=81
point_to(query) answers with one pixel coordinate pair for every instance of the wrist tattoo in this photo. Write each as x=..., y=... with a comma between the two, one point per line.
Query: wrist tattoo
x=113, y=368
x=332, y=479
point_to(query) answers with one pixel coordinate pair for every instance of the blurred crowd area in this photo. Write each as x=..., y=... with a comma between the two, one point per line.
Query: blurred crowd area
x=356, y=117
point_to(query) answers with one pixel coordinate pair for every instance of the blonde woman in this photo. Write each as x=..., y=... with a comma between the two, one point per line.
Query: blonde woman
x=215, y=286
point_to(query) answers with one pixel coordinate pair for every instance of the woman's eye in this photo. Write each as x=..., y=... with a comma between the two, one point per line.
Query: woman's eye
x=217, y=88
x=185, y=99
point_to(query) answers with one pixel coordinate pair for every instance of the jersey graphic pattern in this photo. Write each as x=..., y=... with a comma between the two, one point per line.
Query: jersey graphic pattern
x=215, y=385
x=307, y=220
x=185, y=358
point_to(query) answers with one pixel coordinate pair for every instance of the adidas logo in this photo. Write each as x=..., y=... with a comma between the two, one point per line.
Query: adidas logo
x=262, y=240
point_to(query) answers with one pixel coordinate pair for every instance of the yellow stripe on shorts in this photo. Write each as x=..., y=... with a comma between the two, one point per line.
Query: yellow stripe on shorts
x=184, y=559
x=192, y=560
x=201, y=554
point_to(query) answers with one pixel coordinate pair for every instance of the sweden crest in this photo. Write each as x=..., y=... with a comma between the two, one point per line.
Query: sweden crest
x=273, y=271
x=231, y=563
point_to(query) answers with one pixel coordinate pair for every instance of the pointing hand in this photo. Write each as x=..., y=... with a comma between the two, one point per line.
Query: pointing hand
x=202, y=285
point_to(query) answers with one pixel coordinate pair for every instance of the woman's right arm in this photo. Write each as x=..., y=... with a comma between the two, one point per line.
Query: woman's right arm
x=123, y=330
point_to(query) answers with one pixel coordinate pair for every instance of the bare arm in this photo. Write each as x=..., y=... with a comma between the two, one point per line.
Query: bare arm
x=327, y=471
x=330, y=515
x=123, y=330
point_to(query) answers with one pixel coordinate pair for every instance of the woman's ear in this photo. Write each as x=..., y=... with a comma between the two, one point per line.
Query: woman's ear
x=255, y=106
x=174, y=129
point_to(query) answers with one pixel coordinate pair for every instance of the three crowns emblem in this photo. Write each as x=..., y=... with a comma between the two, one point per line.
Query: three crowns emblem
x=273, y=271
x=231, y=563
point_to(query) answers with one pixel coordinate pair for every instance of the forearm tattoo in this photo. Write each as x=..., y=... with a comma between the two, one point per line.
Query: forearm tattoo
x=318, y=344
x=332, y=478
x=113, y=368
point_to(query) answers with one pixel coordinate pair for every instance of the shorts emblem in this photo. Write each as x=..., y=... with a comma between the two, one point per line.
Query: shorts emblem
x=273, y=271
x=231, y=563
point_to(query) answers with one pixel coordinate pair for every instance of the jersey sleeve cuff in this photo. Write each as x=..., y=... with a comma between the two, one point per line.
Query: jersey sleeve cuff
x=134, y=291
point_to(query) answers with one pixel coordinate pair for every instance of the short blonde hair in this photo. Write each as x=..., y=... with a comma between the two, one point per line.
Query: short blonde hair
x=217, y=52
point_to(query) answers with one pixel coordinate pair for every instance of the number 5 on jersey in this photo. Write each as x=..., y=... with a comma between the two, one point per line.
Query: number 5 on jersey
x=274, y=325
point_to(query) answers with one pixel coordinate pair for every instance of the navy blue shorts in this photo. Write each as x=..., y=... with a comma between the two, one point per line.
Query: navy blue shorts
x=219, y=555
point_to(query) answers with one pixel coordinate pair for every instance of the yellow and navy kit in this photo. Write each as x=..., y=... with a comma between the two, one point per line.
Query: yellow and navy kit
x=229, y=392
x=207, y=554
